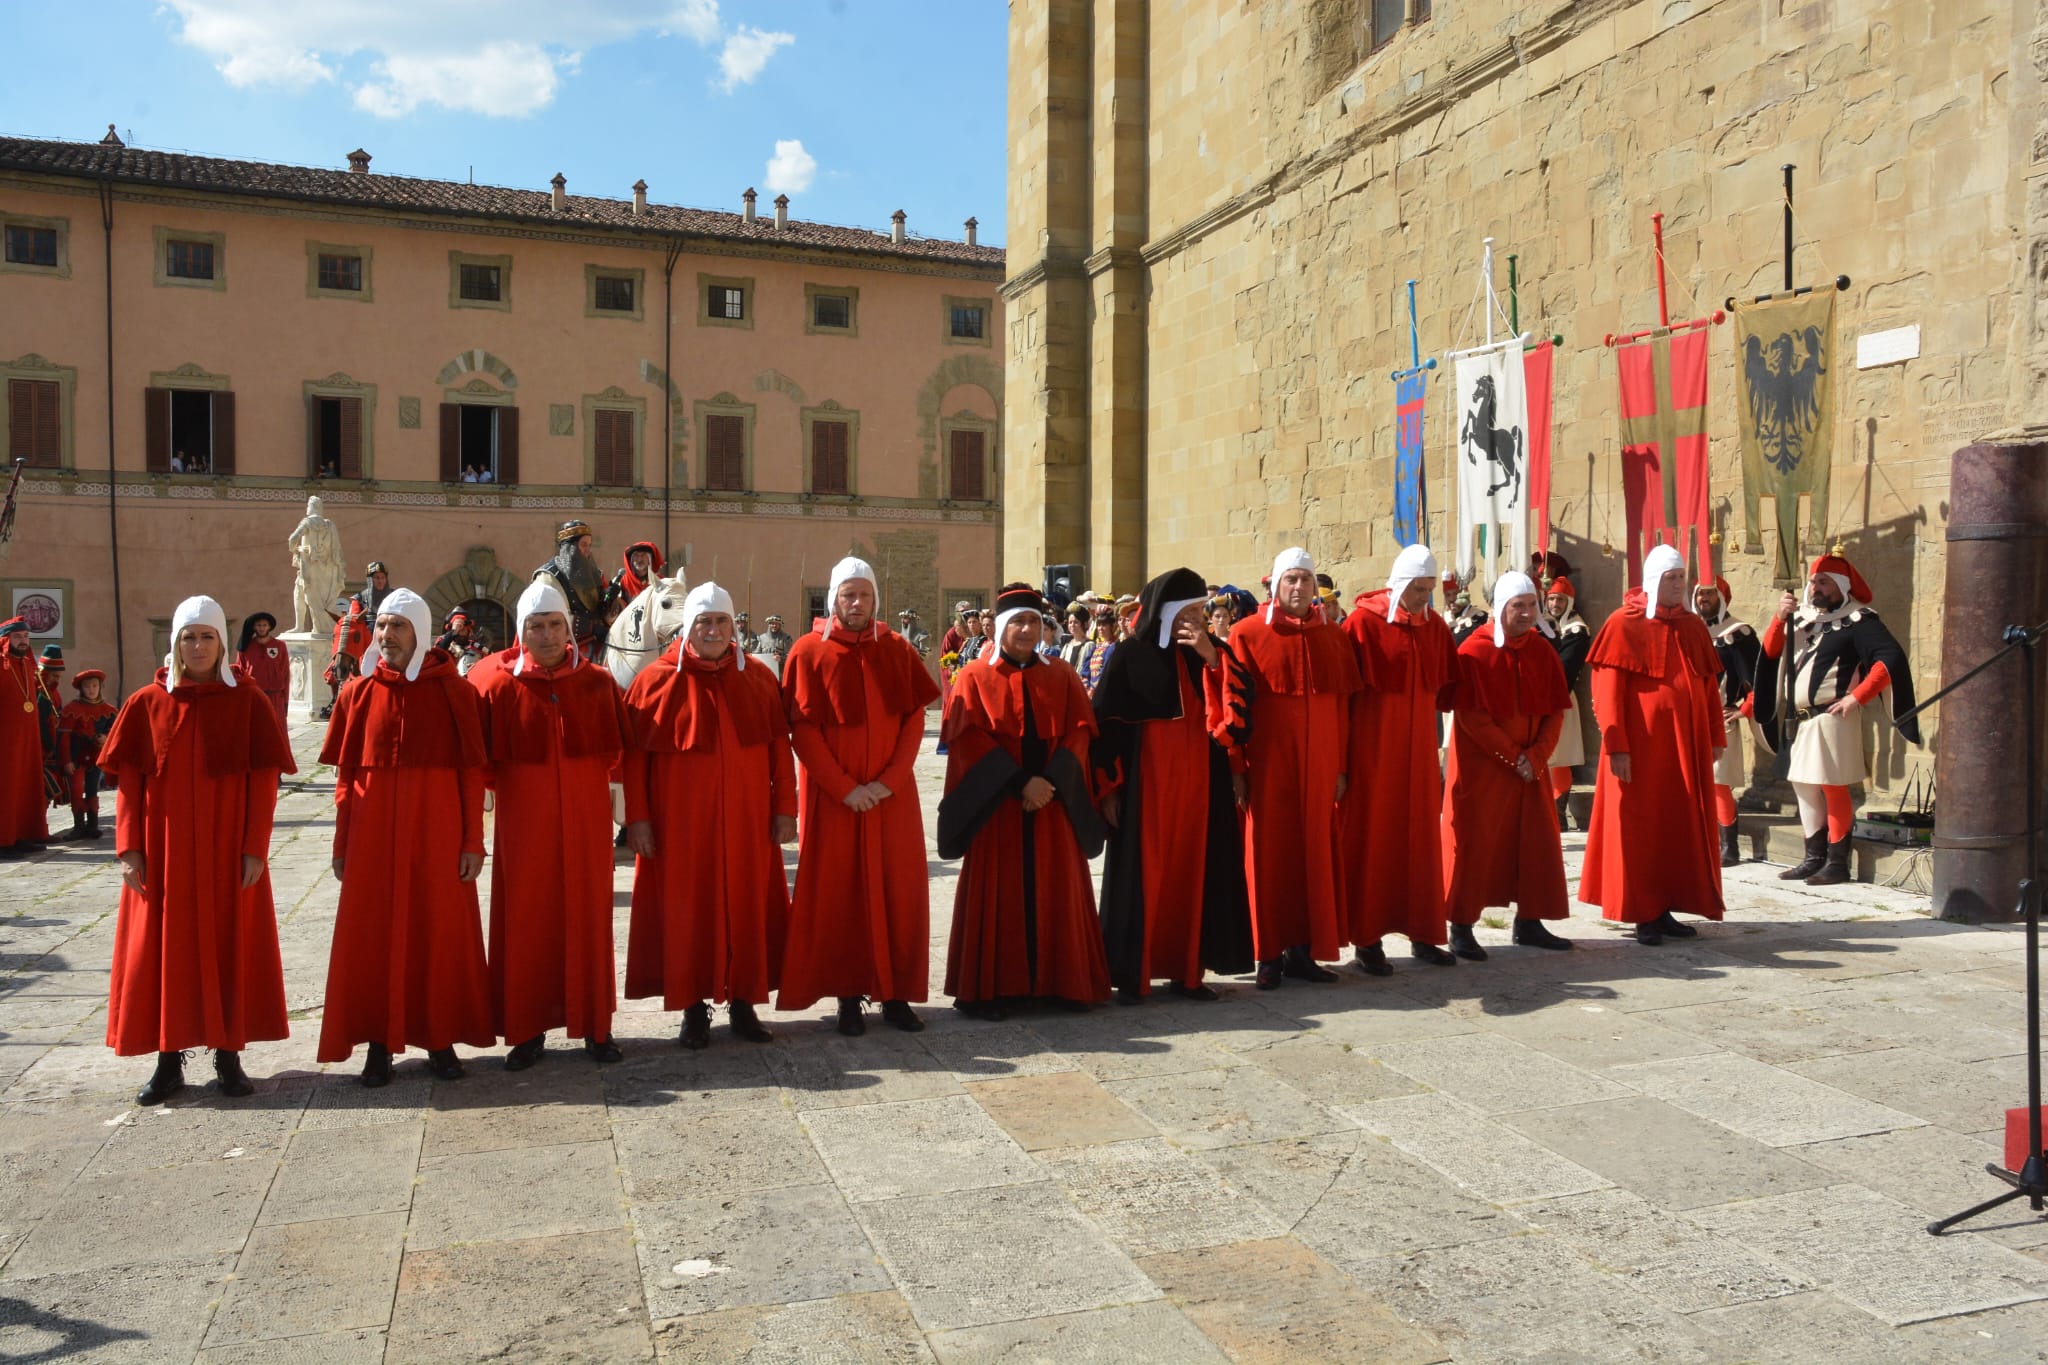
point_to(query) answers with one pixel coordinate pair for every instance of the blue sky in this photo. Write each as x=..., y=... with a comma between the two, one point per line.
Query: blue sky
x=855, y=107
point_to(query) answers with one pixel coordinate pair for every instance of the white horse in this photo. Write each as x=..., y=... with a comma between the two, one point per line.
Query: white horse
x=646, y=627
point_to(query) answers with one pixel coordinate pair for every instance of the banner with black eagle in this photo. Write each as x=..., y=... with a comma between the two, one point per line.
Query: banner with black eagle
x=1784, y=353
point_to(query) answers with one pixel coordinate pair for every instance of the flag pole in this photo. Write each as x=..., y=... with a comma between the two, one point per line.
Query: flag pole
x=1657, y=235
x=1515, y=309
x=1788, y=168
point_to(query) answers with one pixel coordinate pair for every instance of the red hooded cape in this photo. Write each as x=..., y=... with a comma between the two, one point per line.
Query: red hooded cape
x=269, y=666
x=195, y=955
x=860, y=923
x=22, y=798
x=552, y=736
x=1500, y=833
x=1653, y=845
x=709, y=768
x=407, y=968
x=1393, y=809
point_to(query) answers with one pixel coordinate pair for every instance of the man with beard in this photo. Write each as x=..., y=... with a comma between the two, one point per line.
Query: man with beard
x=24, y=825
x=1174, y=904
x=907, y=626
x=774, y=642
x=574, y=570
x=1573, y=639
x=1464, y=615
x=1736, y=644
x=642, y=564
x=1656, y=694
x=407, y=967
x=1284, y=712
x=554, y=725
x=374, y=592
x=860, y=926
x=1841, y=659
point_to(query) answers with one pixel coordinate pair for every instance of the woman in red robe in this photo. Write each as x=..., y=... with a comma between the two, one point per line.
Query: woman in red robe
x=1018, y=810
x=554, y=725
x=1283, y=704
x=24, y=822
x=1500, y=824
x=710, y=798
x=1393, y=809
x=262, y=656
x=1652, y=848
x=860, y=925
x=407, y=967
x=197, y=758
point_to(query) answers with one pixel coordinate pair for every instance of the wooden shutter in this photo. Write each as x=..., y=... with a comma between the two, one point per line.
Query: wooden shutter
x=32, y=431
x=828, y=458
x=156, y=430
x=351, y=452
x=224, y=433
x=967, y=461
x=508, y=444
x=725, y=452
x=612, y=443
x=451, y=443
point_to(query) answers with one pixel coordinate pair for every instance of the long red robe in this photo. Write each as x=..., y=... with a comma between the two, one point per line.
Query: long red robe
x=1500, y=833
x=407, y=967
x=1653, y=842
x=709, y=767
x=1285, y=709
x=860, y=923
x=270, y=668
x=23, y=801
x=1024, y=907
x=195, y=955
x=1393, y=809
x=553, y=736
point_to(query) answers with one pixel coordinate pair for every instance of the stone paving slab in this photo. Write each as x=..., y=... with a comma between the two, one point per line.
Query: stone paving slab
x=862, y=1329
x=775, y=1246
x=1154, y=1331
x=745, y=1149
x=917, y=1147
x=1497, y=1075
x=1059, y=1109
x=1150, y=1196
x=1223, y=1107
x=1663, y=1256
x=500, y=1196
x=568, y=1299
x=306, y=1279
x=1482, y=1154
x=1775, y=1107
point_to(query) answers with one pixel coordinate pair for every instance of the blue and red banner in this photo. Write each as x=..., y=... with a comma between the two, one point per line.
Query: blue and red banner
x=1411, y=500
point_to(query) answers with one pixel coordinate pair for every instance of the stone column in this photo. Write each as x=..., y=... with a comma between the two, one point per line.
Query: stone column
x=1117, y=285
x=310, y=655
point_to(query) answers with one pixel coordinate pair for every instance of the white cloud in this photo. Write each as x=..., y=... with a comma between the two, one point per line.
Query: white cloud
x=428, y=52
x=792, y=169
x=747, y=50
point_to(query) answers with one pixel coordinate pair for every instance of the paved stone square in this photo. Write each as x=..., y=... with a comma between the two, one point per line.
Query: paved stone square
x=1723, y=1150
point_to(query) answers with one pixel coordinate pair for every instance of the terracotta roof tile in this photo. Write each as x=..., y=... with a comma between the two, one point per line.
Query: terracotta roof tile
x=139, y=166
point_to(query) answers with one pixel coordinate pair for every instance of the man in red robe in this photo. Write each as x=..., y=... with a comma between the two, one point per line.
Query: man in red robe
x=860, y=926
x=1393, y=810
x=1651, y=848
x=710, y=798
x=1019, y=811
x=262, y=656
x=1283, y=701
x=407, y=967
x=81, y=730
x=1173, y=894
x=1500, y=826
x=554, y=725
x=24, y=824
x=197, y=756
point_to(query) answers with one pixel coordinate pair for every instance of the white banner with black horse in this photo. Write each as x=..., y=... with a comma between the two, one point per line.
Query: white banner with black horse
x=1492, y=456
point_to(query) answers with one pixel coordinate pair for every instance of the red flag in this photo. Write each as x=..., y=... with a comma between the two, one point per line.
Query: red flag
x=1538, y=362
x=1664, y=444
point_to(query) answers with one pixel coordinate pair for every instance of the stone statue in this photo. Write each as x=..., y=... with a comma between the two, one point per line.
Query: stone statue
x=316, y=556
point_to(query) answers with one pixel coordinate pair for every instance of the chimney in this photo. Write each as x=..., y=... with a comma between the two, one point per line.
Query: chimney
x=639, y=198
x=897, y=233
x=112, y=139
x=358, y=162
x=971, y=225
x=747, y=213
x=561, y=184
x=781, y=210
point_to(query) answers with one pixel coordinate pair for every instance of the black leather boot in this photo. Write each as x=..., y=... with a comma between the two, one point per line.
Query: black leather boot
x=1835, y=870
x=899, y=1013
x=696, y=1033
x=234, y=1082
x=168, y=1080
x=92, y=823
x=1731, y=851
x=852, y=1019
x=524, y=1055
x=445, y=1065
x=1297, y=963
x=377, y=1066
x=1464, y=945
x=1372, y=960
x=1534, y=933
x=1816, y=858
x=746, y=1024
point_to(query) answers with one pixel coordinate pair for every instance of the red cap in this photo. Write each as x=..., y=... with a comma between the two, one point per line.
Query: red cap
x=1564, y=585
x=1835, y=564
x=89, y=675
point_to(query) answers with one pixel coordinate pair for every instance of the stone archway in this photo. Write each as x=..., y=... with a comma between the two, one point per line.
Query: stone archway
x=481, y=578
x=478, y=361
x=977, y=370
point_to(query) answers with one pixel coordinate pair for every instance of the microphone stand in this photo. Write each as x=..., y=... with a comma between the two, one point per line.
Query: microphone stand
x=2031, y=1181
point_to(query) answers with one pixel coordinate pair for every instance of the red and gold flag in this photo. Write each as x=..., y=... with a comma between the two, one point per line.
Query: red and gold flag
x=1664, y=444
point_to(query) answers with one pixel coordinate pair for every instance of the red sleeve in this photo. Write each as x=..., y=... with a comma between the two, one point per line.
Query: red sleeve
x=1610, y=689
x=1774, y=638
x=129, y=810
x=1748, y=707
x=1344, y=704
x=344, y=778
x=821, y=766
x=259, y=808
x=470, y=783
x=898, y=775
x=781, y=775
x=1875, y=681
x=1488, y=734
x=1545, y=743
x=634, y=772
x=1217, y=711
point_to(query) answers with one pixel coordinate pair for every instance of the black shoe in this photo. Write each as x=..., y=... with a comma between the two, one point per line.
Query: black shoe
x=167, y=1081
x=620, y=842
x=1668, y=925
x=1731, y=850
x=603, y=1051
x=1433, y=955
x=1201, y=991
x=1650, y=933
x=445, y=1065
x=377, y=1066
x=899, y=1013
x=1816, y=858
x=527, y=1053
x=1269, y=975
x=746, y=1024
x=696, y=1033
x=1836, y=870
x=92, y=824
x=1564, y=813
x=227, y=1068
x=1296, y=962
x=77, y=830
x=1530, y=933
x=1372, y=960
x=324, y=713
x=852, y=1022
x=1464, y=945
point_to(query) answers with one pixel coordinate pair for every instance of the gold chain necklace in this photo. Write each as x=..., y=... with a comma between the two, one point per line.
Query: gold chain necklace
x=28, y=695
